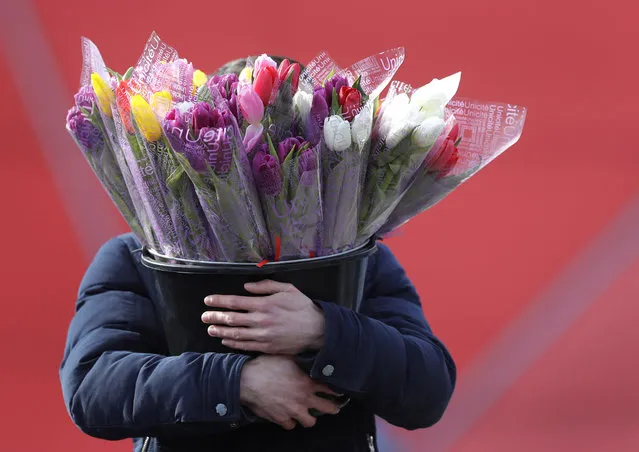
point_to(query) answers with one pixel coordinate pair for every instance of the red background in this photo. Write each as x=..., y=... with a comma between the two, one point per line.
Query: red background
x=480, y=258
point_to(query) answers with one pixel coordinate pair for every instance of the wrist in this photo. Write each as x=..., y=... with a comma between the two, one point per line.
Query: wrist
x=246, y=390
x=316, y=341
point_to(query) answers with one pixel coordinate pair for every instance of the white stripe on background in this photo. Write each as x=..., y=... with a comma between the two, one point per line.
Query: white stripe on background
x=46, y=100
x=527, y=338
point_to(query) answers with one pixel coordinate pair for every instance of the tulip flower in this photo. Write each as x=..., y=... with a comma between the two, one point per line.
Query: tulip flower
x=199, y=79
x=103, y=93
x=202, y=117
x=287, y=70
x=350, y=99
x=252, y=136
x=218, y=149
x=267, y=174
x=251, y=105
x=289, y=145
x=337, y=133
x=246, y=75
x=262, y=62
x=264, y=83
x=428, y=131
x=318, y=114
x=161, y=103
x=303, y=101
x=122, y=94
x=87, y=134
x=85, y=98
x=145, y=118
x=334, y=84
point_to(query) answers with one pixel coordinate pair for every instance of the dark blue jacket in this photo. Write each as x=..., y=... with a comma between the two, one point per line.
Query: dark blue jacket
x=118, y=381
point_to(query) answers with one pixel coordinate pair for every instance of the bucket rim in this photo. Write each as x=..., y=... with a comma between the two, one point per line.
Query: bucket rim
x=157, y=261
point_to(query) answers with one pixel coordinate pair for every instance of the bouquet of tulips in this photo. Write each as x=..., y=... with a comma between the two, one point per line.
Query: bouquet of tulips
x=276, y=161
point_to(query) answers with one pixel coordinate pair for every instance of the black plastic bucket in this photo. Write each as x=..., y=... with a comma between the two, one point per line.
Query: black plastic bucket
x=182, y=286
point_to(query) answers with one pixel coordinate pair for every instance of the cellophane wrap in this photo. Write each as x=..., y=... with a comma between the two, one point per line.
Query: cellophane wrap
x=344, y=137
x=484, y=130
x=106, y=159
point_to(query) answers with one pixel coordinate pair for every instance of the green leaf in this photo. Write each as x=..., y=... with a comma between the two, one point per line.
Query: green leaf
x=271, y=148
x=458, y=141
x=336, y=108
x=128, y=73
x=330, y=75
x=114, y=74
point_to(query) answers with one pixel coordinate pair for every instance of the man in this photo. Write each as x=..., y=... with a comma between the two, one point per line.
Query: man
x=118, y=382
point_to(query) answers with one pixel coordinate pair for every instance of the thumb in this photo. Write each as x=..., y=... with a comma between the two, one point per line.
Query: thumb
x=268, y=287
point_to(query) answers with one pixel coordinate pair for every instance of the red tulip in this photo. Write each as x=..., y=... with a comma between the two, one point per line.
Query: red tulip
x=444, y=159
x=351, y=100
x=264, y=83
x=122, y=94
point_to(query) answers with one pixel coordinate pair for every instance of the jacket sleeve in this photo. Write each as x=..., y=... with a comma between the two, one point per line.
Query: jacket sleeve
x=116, y=381
x=387, y=355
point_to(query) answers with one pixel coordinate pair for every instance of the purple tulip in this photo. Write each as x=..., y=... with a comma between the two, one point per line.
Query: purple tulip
x=307, y=161
x=286, y=146
x=335, y=83
x=83, y=130
x=85, y=97
x=267, y=174
x=227, y=86
x=218, y=147
x=176, y=127
x=202, y=117
x=319, y=112
x=196, y=154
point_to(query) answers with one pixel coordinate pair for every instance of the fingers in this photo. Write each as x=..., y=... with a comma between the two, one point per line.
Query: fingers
x=269, y=287
x=320, y=388
x=235, y=302
x=236, y=334
x=248, y=346
x=324, y=405
x=304, y=417
x=230, y=318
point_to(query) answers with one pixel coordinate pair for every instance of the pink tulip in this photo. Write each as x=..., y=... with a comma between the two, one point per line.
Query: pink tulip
x=251, y=105
x=252, y=136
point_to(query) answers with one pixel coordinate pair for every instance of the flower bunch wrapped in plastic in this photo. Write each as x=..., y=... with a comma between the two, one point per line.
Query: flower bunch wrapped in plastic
x=278, y=161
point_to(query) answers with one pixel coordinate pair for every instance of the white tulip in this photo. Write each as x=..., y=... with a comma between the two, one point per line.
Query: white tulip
x=362, y=125
x=337, y=133
x=428, y=131
x=184, y=107
x=303, y=101
x=432, y=98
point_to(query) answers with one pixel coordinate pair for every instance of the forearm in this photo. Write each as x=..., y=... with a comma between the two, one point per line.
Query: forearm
x=203, y=394
x=406, y=377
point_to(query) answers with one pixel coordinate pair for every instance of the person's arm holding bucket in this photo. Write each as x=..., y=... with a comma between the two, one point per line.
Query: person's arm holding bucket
x=386, y=356
x=116, y=380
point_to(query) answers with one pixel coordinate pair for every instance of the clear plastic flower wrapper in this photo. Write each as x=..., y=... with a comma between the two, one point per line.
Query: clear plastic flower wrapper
x=335, y=108
x=476, y=132
x=404, y=134
x=90, y=123
x=278, y=163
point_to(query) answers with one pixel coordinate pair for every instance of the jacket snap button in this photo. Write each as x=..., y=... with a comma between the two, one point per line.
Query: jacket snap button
x=327, y=371
x=221, y=409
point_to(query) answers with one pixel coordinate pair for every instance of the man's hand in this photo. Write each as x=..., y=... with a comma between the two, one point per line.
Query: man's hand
x=283, y=321
x=275, y=389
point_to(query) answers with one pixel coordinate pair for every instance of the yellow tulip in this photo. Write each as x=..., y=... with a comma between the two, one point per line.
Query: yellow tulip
x=246, y=74
x=145, y=118
x=199, y=78
x=103, y=93
x=161, y=103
